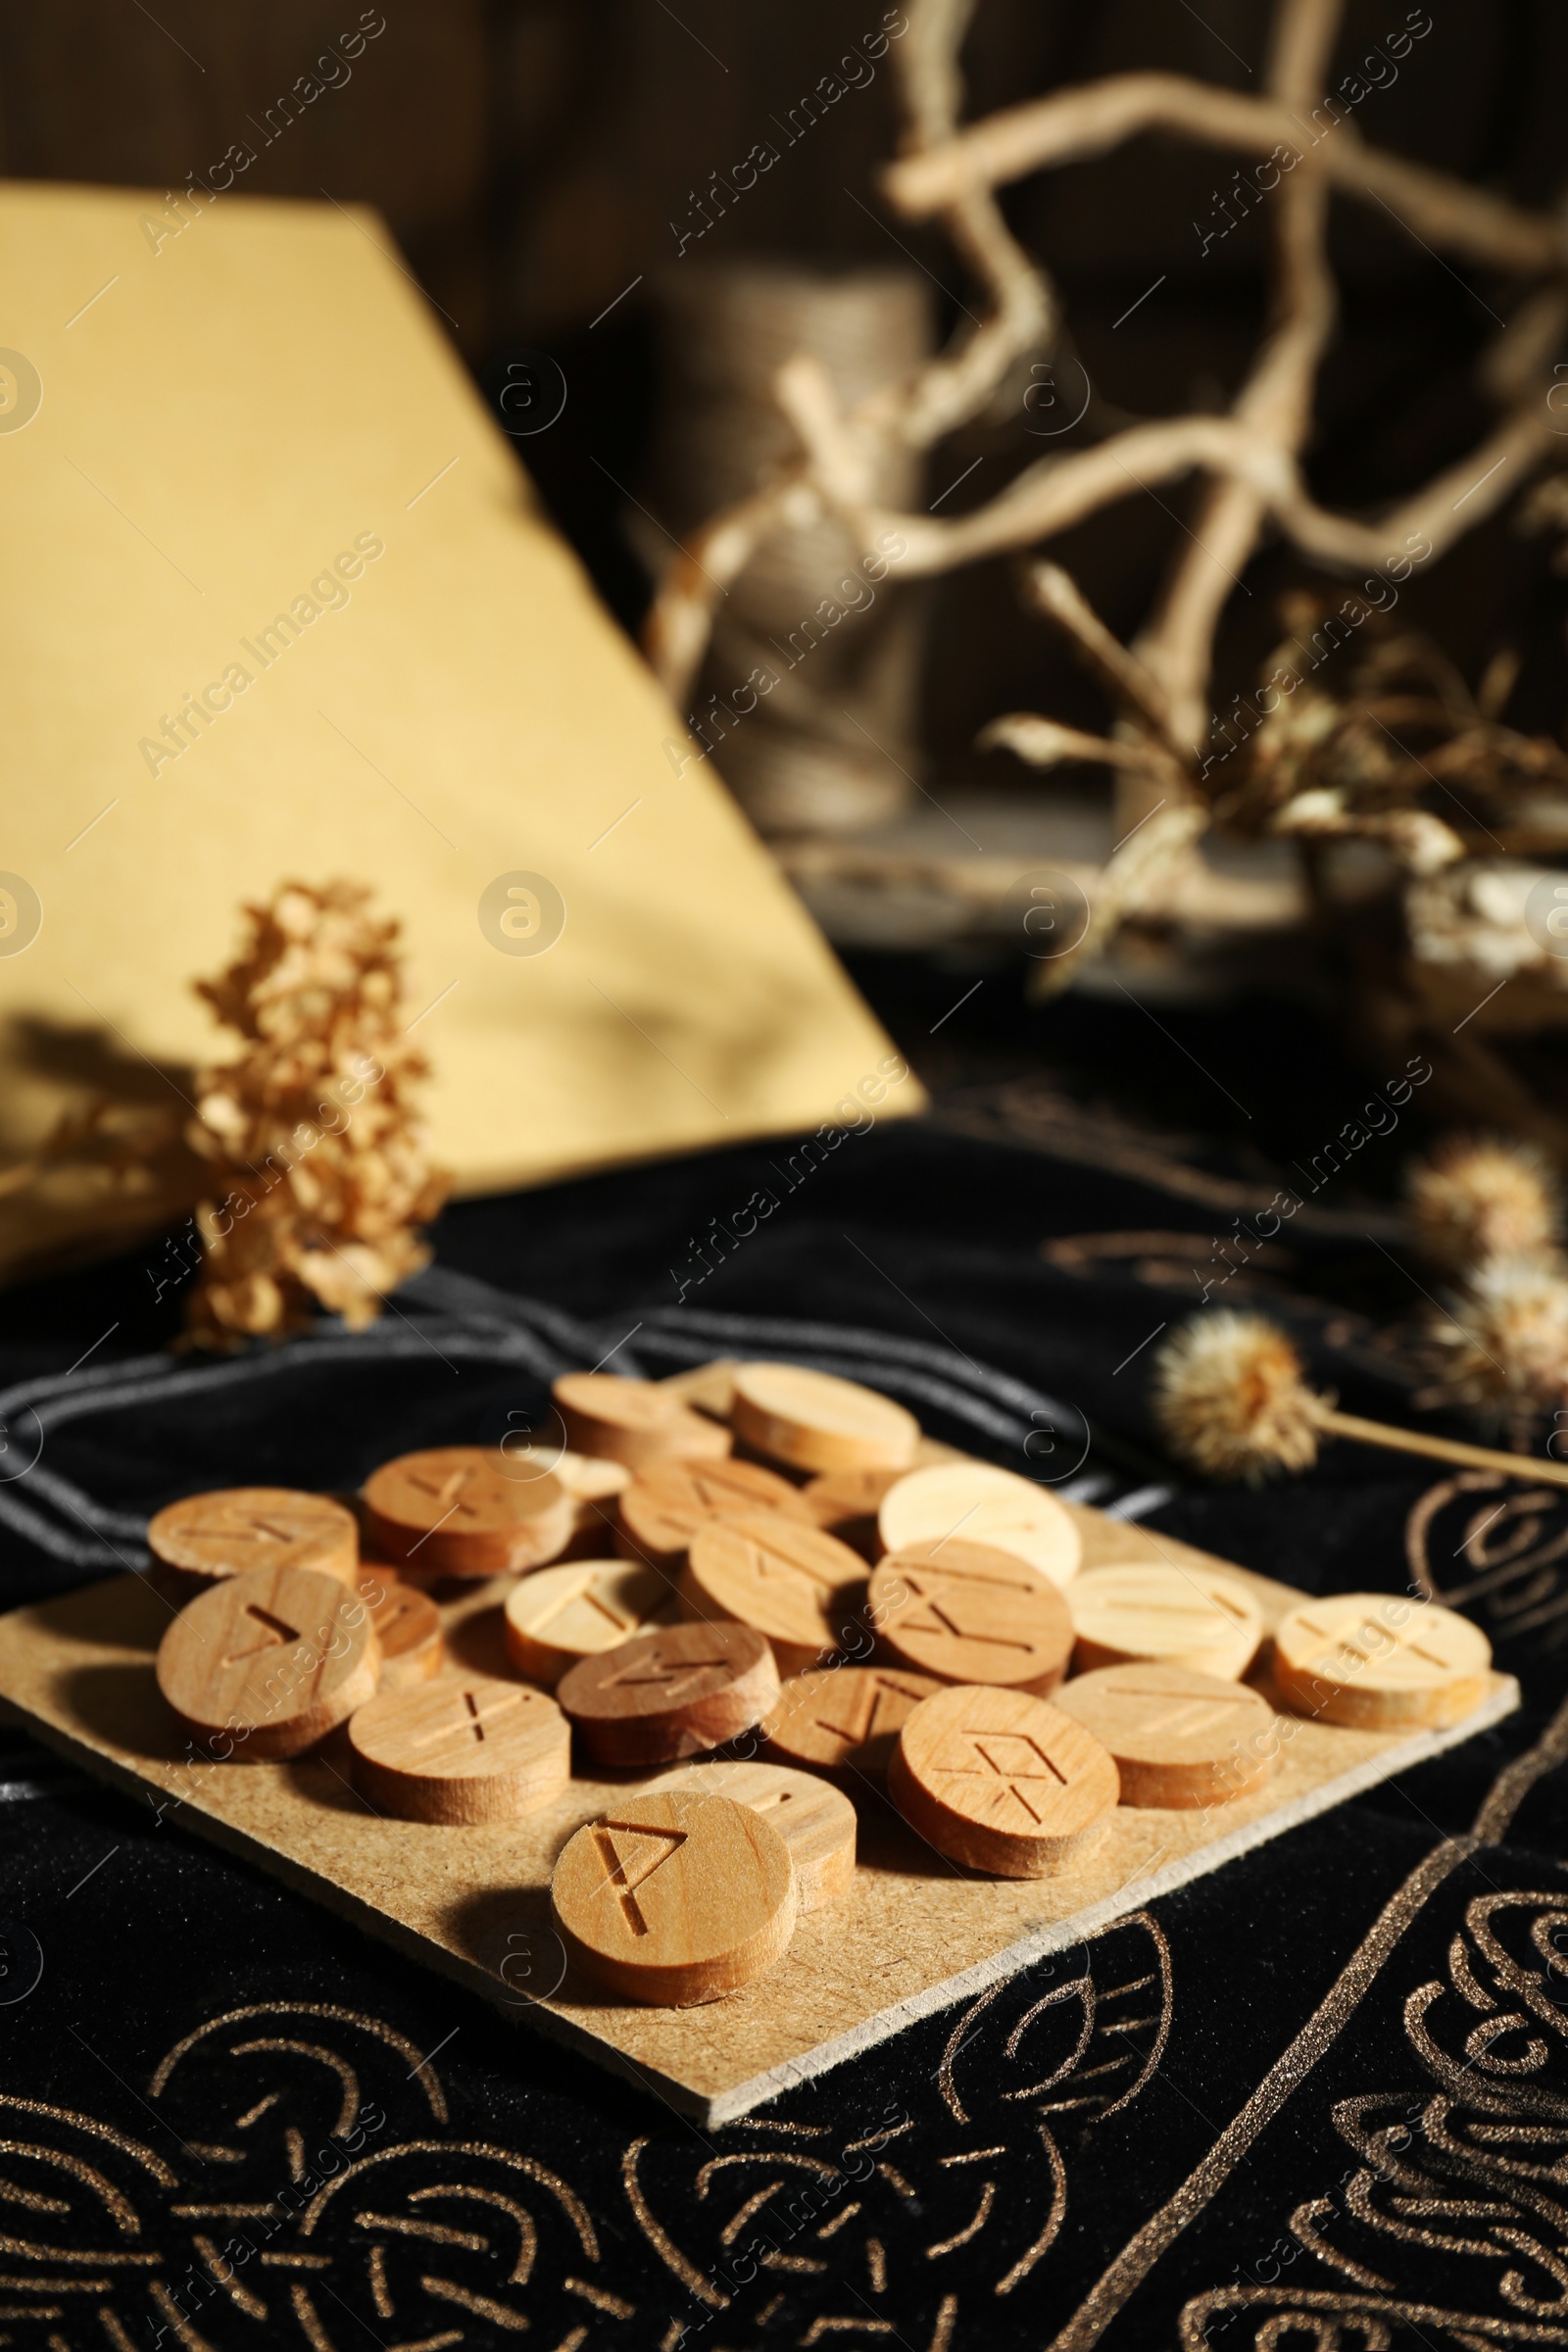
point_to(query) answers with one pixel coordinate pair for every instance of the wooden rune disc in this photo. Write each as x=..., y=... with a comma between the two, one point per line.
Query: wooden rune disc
x=669, y=1694
x=586, y=1476
x=470, y=1749
x=637, y=1422
x=1167, y=1616
x=844, y=1719
x=845, y=1503
x=265, y=1664
x=1179, y=1738
x=196, y=1541
x=664, y=1507
x=407, y=1622
x=967, y=1613
x=1003, y=1782
x=1379, y=1661
x=784, y=1577
x=464, y=1510
x=559, y=1615
x=593, y=1483
x=675, y=1900
x=593, y=1486
x=815, y=1421
x=816, y=1821
x=705, y=1388
x=975, y=1503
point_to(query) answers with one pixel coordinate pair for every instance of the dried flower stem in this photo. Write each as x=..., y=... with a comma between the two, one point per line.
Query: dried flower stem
x=1335, y=1424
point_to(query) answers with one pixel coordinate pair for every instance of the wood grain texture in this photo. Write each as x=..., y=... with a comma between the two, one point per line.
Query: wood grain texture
x=1178, y=1739
x=675, y=1898
x=558, y=1616
x=844, y=1719
x=1379, y=1661
x=1003, y=1782
x=461, y=1750
x=983, y=1506
x=816, y=1821
x=815, y=1421
x=265, y=1664
x=233, y=1529
x=406, y=1625
x=466, y=1510
x=662, y=1509
x=911, y=1937
x=635, y=1422
x=784, y=1577
x=970, y=1613
x=671, y=1693
x=1166, y=1615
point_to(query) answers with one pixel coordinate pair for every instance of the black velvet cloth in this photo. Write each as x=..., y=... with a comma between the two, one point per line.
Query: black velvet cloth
x=1318, y=2098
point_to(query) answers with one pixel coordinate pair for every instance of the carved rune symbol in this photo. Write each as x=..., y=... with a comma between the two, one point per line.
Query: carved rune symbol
x=879, y=1704
x=628, y=1866
x=1183, y=1718
x=448, y=1489
x=944, y=1612
x=235, y=1520
x=1005, y=1759
x=770, y=1563
x=1371, y=1644
x=673, y=1678
x=274, y=1634
x=472, y=1717
x=581, y=1590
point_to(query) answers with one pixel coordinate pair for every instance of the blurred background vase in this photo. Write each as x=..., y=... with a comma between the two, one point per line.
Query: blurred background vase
x=833, y=746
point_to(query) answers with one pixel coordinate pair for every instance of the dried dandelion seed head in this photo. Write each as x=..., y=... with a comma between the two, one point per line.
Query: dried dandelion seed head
x=318, y=1176
x=1231, y=1399
x=1477, y=1198
x=1507, y=1337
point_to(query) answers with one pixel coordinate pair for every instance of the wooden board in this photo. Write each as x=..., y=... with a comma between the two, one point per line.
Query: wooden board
x=912, y=1934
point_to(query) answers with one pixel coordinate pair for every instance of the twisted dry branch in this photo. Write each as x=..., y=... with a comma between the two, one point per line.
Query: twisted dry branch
x=1251, y=457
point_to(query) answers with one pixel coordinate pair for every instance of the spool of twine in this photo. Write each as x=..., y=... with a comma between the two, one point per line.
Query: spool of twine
x=828, y=744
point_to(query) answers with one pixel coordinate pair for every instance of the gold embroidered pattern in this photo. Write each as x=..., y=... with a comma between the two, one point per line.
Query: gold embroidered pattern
x=440, y=2241
x=976, y=2169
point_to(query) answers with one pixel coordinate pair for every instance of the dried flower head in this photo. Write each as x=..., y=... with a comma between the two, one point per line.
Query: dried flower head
x=1231, y=1399
x=1479, y=1197
x=1506, y=1337
x=319, y=1179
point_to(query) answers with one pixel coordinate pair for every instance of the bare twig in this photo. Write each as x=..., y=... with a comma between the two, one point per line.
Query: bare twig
x=1023, y=313
x=1277, y=396
x=1071, y=124
x=1057, y=593
x=1250, y=457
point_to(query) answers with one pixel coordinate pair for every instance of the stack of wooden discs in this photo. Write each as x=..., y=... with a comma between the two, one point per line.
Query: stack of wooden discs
x=773, y=1569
